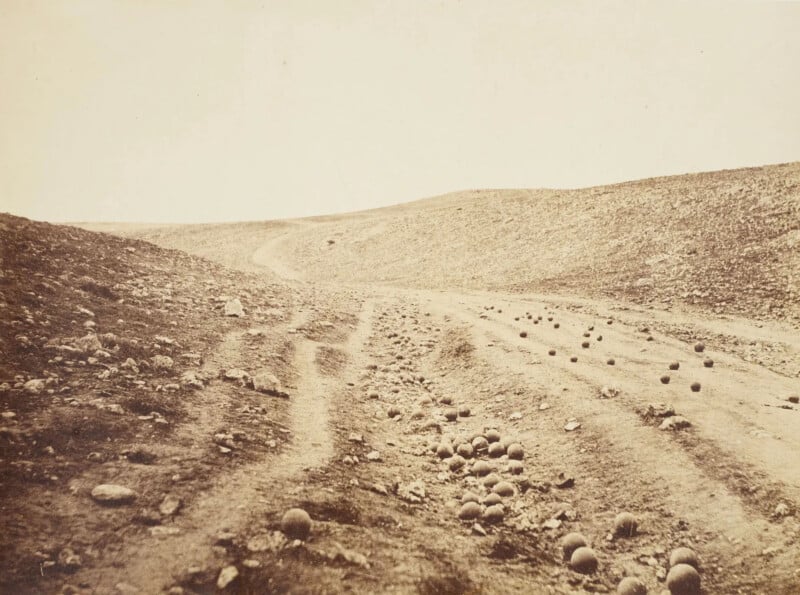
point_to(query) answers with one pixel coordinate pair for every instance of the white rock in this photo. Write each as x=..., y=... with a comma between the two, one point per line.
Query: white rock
x=109, y=493
x=266, y=382
x=234, y=308
x=34, y=387
x=162, y=362
x=226, y=576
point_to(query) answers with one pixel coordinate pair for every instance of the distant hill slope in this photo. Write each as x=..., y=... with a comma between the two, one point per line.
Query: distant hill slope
x=727, y=240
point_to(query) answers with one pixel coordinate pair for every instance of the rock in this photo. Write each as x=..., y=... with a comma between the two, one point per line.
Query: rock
x=675, y=422
x=469, y=511
x=374, y=456
x=572, y=426
x=296, y=523
x=34, y=387
x=266, y=382
x=658, y=410
x=393, y=411
x=625, y=525
x=583, y=560
x=236, y=374
x=234, y=308
x=226, y=576
x=88, y=343
x=170, y=505
x=478, y=530
x=112, y=494
x=782, y=510
x=609, y=392
x=683, y=555
x=631, y=585
x=413, y=492
x=161, y=362
x=683, y=579
x=69, y=560
x=571, y=542
x=355, y=437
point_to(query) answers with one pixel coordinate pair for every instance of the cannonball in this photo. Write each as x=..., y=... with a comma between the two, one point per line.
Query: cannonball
x=609, y=322
x=631, y=585
x=446, y=400
x=674, y=366
x=556, y=325
x=444, y=450
x=585, y=344
x=515, y=451
x=479, y=443
x=481, y=468
x=515, y=467
x=583, y=560
x=551, y=352
x=496, y=450
x=699, y=347
x=549, y=319
x=469, y=511
x=394, y=411
x=296, y=523
x=708, y=363
x=465, y=450
x=535, y=322
x=470, y=497
x=573, y=359
x=451, y=415
x=695, y=387
x=456, y=462
x=665, y=379
x=610, y=361
x=464, y=411
x=683, y=579
x=571, y=542
x=492, y=480
x=599, y=337
x=587, y=334
x=504, y=489
x=683, y=555
x=523, y=334
x=492, y=499
x=494, y=514
x=625, y=525
x=591, y=328
x=492, y=435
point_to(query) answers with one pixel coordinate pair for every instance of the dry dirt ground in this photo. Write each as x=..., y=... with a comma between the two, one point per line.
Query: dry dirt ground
x=370, y=370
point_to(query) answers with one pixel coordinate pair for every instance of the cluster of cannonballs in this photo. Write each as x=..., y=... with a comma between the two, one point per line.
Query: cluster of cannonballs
x=464, y=454
x=683, y=577
x=708, y=363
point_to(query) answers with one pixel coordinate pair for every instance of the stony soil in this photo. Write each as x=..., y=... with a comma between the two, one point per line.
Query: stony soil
x=359, y=369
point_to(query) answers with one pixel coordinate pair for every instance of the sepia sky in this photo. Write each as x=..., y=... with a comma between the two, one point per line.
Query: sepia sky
x=194, y=111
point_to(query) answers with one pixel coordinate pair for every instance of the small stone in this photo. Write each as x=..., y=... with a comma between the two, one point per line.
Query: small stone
x=234, y=308
x=112, y=494
x=34, y=387
x=226, y=576
x=782, y=510
x=170, y=505
x=161, y=362
x=572, y=426
x=477, y=529
x=373, y=455
x=675, y=422
x=266, y=382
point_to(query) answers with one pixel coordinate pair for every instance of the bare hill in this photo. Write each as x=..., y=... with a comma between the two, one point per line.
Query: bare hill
x=727, y=240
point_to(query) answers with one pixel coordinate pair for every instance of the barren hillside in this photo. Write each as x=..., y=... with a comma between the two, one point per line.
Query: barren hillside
x=486, y=392
x=728, y=241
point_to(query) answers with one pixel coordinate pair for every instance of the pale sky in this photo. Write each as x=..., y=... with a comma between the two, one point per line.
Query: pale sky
x=195, y=111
